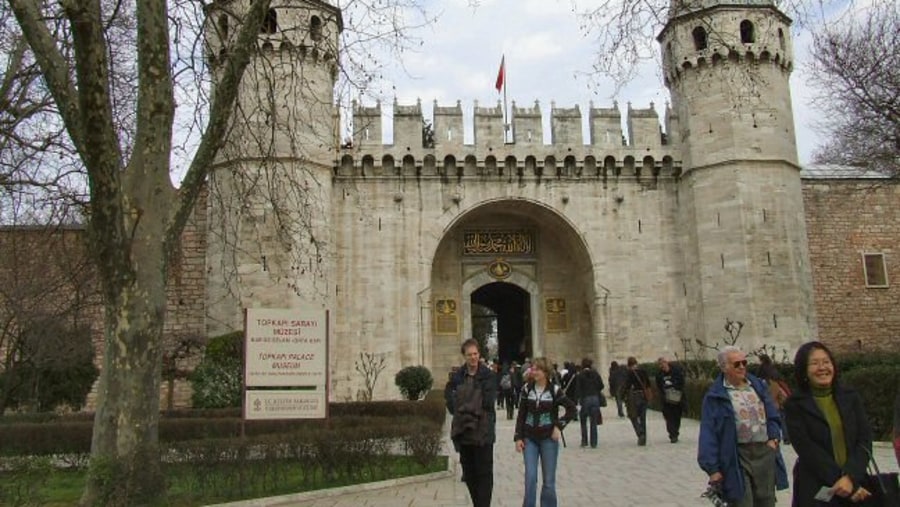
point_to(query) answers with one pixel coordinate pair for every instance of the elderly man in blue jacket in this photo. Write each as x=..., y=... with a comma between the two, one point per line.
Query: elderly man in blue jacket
x=740, y=435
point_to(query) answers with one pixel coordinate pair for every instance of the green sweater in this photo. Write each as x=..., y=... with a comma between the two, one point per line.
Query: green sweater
x=824, y=398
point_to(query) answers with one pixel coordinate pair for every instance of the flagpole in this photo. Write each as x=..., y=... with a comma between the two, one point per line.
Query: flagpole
x=506, y=129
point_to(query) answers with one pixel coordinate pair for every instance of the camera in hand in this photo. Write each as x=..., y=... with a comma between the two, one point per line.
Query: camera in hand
x=713, y=493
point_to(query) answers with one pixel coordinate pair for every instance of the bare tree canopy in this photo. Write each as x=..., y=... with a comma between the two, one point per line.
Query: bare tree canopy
x=113, y=75
x=625, y=31
x=856, y=68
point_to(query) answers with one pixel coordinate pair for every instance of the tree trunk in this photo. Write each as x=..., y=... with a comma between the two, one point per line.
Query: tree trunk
x=125, y=461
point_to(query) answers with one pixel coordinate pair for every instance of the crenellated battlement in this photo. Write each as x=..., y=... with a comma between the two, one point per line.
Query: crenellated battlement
x=523, y=134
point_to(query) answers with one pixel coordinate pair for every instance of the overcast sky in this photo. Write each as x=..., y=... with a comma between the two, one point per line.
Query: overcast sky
x=548, y=59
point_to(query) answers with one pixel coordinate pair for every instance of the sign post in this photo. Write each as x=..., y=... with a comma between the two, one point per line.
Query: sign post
x=285, y=364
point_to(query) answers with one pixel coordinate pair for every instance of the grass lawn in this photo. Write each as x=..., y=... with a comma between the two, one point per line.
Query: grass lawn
x=191, y=484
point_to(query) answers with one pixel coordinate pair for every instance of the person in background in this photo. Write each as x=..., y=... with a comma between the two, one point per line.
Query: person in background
x=539, y=430
x=897, y=426
x=635, y=388
x=831, y=433
x=617, y=374
x=507, y=390
x=588, y=389
x=670, y=382
x=740, y=431
x=778, y=388
x=471, y=398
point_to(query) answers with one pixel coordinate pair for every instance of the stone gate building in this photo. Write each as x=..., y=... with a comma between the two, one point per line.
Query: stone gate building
x=630, y=242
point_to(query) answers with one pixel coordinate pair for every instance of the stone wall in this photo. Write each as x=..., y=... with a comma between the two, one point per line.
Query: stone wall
x=846, y=218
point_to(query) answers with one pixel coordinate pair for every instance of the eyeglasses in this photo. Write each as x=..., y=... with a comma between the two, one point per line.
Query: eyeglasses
x=739, y=364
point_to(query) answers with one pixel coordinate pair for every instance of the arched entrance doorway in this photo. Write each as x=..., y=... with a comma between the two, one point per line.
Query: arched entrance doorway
x=501, y=321
x=521, y=270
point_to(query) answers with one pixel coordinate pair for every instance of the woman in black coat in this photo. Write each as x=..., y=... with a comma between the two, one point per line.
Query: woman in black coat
x=829, y=430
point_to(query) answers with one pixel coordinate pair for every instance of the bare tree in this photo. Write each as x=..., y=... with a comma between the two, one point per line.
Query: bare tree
x=117, y=72
x=856, y=67
x=370, y=365
x=625, y=31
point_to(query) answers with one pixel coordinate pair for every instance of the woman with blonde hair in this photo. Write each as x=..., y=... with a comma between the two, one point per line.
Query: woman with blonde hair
x=539, y=430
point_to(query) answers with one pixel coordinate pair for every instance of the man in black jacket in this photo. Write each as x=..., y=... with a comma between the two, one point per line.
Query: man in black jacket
x=670, y=382
x=588, y=390
x=471, y=397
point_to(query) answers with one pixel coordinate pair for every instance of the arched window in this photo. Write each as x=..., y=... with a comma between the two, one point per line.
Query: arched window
x=315, y=28
x=781, y=38
x=449, y=165
x=387, y=163
x=490, y=165
x=700, y=39
x=748, y=35
x=510, y=165
x=569, y=166
x=270, y=24
x=368, y=165
x=409, y=165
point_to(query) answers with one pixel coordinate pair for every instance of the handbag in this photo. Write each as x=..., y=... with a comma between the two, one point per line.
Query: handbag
x=672, y=395
x=884, y=487
x=648, y=393
x=602, y=400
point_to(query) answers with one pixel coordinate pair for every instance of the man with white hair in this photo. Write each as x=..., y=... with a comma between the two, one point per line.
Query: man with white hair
x=740, y=433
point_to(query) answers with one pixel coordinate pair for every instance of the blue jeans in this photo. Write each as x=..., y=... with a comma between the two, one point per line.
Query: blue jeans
x=589, y=415
x=548, y=451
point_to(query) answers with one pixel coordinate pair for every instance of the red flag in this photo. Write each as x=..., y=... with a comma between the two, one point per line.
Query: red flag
x=501, y=74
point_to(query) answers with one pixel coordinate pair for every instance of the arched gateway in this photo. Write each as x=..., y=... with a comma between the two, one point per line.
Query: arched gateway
x=517, y=276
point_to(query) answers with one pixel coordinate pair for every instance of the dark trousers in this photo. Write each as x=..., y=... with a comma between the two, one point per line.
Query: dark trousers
x=672, y=414
x=478, y=470
x=620, y=399
x=590, y=417
x=757, y=462
x=637, y=412
x=510, y=403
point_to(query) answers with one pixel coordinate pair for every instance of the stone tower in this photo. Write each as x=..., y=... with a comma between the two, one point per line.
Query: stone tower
x=269, y=221
x=727, y=65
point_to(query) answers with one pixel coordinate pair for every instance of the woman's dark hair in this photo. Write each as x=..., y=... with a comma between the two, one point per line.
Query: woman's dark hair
x=801, y=363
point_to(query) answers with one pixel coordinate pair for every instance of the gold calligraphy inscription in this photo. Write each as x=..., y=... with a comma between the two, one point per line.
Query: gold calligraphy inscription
x=556, y=316
x=514, y=242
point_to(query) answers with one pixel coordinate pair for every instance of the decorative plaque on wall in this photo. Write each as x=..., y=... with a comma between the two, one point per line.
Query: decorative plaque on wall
x=446, y=318
x=556, y=316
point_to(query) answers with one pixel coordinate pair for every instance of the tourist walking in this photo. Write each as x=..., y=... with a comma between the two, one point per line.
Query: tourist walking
x=670, y=382
x=740, y=432
x=636, y=389
x=471, y=396
x=589, y=391
x=539, y=430
x=832, y=436
x=508, y=391
x=617, y=374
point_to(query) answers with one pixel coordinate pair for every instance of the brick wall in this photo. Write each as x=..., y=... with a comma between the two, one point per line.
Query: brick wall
x=62, y=249
x=846, y=218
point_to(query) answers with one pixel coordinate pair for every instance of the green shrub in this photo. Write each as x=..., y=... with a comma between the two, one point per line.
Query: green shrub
x=218, y=380
x=878, y=386
x=55, y=367
x=414, y=381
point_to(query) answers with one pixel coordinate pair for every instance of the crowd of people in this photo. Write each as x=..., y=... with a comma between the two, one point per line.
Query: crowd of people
x=745, y=420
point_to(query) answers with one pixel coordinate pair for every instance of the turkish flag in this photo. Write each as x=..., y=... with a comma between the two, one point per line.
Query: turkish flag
x=501, y=74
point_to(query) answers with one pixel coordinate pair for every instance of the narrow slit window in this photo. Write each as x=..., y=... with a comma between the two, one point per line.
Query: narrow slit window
x=700, y=39
x=270, y=24
x=874, y=270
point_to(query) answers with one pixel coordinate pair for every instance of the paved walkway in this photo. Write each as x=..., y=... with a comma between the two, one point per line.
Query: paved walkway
x=617, y=473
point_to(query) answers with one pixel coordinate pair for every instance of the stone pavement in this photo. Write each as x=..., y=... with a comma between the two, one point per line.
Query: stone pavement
x=618, y=473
